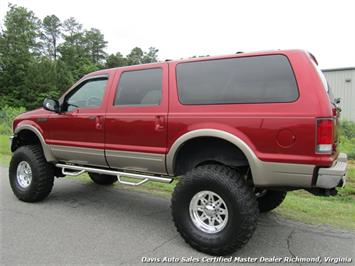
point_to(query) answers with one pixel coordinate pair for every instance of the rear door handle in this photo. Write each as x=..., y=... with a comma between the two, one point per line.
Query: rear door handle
x=159, y=122
x=99, y=122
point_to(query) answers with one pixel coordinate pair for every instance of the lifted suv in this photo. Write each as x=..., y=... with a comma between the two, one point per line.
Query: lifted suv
x=241, y=130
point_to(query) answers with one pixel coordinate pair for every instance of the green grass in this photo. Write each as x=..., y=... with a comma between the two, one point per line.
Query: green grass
x=337, y=211
x=348, y=146
x=5, y=152
x=5, y=145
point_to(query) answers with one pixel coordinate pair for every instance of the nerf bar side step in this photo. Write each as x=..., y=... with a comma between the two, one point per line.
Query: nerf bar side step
x=77, y=170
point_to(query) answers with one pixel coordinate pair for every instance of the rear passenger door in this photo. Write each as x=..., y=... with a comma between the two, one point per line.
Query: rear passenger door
x=136, y=119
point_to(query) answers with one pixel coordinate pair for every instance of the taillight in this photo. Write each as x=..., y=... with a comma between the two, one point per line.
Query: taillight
x=324, y=141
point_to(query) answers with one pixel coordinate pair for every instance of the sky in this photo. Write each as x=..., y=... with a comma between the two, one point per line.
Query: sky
x=181, y=29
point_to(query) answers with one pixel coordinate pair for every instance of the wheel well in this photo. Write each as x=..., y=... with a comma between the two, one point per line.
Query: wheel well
x=25, y=137
x=203, y=150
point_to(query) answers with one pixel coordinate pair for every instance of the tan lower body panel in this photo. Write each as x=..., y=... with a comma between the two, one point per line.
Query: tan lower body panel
x=282, y=174
x=77, y=155
x=134, y=161
x=266, y=174
x=137, y=161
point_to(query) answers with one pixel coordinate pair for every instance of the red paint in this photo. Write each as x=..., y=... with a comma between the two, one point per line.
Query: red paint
x=155, y=128
x=141, y=129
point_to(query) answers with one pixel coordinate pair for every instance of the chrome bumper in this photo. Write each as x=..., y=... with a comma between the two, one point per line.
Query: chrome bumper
x=335, y=175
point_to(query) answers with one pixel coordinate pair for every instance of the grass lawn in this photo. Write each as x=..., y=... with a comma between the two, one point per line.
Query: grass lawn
x=338, y=211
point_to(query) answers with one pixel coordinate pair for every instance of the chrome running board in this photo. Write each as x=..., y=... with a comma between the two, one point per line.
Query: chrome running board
x=78, y=170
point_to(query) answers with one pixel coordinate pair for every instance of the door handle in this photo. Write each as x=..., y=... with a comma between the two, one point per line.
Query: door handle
x=159, y=123
x=98, y=122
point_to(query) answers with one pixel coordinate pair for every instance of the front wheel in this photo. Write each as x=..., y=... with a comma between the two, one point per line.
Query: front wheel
x=214, y=209
x=31, y=177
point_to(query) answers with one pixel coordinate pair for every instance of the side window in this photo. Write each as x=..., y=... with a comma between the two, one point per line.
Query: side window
x=256, y=79
x=89, y=94
x=140, y=87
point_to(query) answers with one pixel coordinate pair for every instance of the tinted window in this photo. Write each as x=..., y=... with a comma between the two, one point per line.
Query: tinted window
x=258, y=79
x=140, y=87
x=89, y=94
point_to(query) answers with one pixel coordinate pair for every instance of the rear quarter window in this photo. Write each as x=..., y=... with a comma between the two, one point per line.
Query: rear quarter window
x=257, y=79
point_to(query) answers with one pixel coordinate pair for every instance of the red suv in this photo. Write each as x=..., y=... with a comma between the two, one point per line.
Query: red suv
x=241, y=130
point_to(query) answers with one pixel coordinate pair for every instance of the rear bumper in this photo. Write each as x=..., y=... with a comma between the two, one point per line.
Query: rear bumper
x=334, y=176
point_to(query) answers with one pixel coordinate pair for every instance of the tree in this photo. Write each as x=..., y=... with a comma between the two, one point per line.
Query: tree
x=116, y=60
x=71, y=28
x=51, y=33
x=43, y=58
x=135, y=57
x=95, y=43
x=19, y=49
x=74, y=51
x=151, y=56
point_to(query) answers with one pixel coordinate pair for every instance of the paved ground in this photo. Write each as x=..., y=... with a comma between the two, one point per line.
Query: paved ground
x=87, y=224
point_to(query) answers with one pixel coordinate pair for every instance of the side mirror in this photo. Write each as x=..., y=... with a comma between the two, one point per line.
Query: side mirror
x=337, y=100
x=51, y=105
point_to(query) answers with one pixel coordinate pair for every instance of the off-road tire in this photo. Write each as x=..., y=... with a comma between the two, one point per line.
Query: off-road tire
x=42, y=174
x=240, y=200
x=271, y=200
x=101, y=179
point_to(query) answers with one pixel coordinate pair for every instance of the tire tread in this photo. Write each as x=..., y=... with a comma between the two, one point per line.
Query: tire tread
x=43, y=182
x=250, y=211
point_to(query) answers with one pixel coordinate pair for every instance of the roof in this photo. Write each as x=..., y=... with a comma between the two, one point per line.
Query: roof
x=338, y=69
x=193, y=59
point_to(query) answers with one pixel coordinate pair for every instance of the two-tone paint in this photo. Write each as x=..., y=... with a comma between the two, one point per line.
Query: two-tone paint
x=278, y=139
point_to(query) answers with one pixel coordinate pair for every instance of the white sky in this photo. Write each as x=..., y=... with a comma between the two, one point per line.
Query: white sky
x=181, y=29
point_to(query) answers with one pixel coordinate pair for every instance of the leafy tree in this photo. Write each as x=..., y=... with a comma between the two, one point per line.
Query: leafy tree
x=64, y=78
x=72, y=28
x=135, y=57
x=151, y=56
x=95, y=43
x=74, y=52
x=19, y=49
x=43, y=58
x=51, y=33
x=116, y=60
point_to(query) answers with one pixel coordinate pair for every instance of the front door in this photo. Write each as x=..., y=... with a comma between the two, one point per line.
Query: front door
x=76, y=134
x=136, y=119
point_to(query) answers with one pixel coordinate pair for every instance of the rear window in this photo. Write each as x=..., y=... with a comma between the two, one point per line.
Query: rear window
x=258, y=79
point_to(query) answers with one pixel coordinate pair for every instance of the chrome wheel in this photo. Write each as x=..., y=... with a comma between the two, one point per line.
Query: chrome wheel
x=24, y=174
x=208, y=212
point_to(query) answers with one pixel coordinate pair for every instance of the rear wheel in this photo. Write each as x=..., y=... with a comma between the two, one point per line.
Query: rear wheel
x=103, y=179
x=214, y=209
x=269, y=199
x=31, y=177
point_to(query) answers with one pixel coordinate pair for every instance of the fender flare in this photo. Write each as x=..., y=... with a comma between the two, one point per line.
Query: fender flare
x=45, y=147
x=209, y=132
